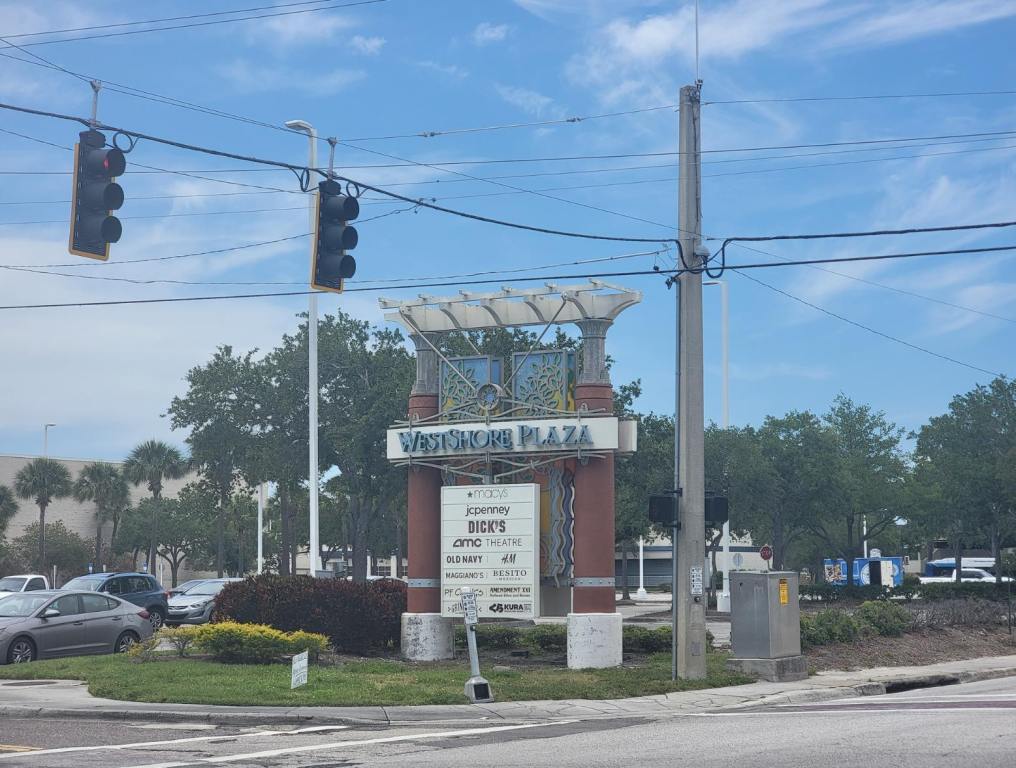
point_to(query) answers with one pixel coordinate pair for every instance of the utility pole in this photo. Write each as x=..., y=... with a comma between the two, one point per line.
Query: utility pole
x=689, y=459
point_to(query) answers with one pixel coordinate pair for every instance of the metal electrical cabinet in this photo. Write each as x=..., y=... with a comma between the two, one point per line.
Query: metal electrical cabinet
x=765, y=617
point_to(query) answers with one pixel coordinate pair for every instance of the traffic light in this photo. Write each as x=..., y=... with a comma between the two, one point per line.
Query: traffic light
x=331, y=265
x=717, y=510
x=663, y=508
x=95, y=194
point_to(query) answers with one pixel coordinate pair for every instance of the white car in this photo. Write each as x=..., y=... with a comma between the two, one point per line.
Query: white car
x=24, y=582
x=969, y=575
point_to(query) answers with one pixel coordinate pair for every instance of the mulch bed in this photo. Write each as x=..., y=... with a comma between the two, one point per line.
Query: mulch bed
x=912, y=649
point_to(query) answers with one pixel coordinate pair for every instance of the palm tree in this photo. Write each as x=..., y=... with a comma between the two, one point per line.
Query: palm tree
x=103, y=485
x=43, y=480
x=151, y=462
x=8, y=508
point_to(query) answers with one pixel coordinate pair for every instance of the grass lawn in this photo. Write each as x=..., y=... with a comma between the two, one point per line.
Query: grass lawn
x=380, y=682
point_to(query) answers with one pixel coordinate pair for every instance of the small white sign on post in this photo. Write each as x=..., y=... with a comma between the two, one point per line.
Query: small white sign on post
x=300, y=663
x=696, y=581
x=469, y=606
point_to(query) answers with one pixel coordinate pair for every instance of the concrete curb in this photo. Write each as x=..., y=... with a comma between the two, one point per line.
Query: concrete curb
x=878, y=683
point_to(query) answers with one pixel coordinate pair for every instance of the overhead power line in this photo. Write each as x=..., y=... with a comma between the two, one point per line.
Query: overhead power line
x=867, y=328
x=862, y=97
x=195, y=24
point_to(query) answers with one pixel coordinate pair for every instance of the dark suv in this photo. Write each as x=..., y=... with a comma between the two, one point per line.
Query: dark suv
x=139, y=588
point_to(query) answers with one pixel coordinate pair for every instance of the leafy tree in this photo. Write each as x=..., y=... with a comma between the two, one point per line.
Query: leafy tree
x=186, y=527
x=647, y=471
x=869, y=469
x=134, y=534
x=153, y=462
x=217, y=410
x=42, y=480
x=66, y=550
x=964, y=460
x=366, y=384
x=8, y=508
x=103, y=485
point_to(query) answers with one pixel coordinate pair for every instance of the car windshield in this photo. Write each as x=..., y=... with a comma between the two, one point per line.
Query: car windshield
x=11, y=584
x=89, y=583
x=207, y=588
x=22, y=605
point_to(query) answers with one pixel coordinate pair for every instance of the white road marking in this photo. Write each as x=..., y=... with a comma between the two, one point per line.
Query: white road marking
x=939, y=697
x=844, y=711
x=357, y=743
x=189, y=740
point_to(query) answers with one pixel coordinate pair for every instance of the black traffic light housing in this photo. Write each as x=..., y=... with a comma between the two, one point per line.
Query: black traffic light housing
x=94, y=195
x=663, y=509
x=331, y=265
x=717, y=510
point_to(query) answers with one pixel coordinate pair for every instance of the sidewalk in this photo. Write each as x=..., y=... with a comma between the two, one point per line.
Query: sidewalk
x=70, y=699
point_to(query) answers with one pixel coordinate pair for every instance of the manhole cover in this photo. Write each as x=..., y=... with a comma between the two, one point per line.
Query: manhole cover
x=24, y=683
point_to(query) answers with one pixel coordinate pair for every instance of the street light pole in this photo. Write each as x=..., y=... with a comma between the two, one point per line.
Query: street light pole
x=314, y=554
x=45, y=439
x=723, y=599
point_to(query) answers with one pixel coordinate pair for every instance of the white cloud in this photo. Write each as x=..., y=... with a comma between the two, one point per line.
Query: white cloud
x=449, y=70
x=530, y=102
x=299, y=29
x=368, y=46
x=249, y=77
x=908, y=21
x=486, y=33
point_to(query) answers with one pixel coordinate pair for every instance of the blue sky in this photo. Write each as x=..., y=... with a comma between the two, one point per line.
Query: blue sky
x=104, y=375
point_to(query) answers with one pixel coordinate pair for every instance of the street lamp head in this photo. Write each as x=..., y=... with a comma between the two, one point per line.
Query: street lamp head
x=702, y=252
x=301, y=125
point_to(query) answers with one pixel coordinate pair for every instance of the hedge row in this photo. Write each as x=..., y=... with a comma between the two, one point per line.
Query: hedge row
x=355, y=617
x=837, y=626
x=940, y=591
x=553, y=638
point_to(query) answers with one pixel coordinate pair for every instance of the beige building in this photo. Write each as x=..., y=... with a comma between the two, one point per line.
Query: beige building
x=78, y=517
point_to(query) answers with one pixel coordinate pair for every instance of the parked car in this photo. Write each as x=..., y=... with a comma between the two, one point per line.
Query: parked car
x=24, y=582
x=195, y=606
x=50, y=623
x=142, y=589
x=968, y=575
x=180, y=589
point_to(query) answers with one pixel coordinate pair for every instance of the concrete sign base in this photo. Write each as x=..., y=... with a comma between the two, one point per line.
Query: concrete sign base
x=774, y=670
x=594, y=640
x=426, y=637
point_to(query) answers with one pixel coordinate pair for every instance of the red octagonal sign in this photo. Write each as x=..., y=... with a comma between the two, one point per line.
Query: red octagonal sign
x=766, y=552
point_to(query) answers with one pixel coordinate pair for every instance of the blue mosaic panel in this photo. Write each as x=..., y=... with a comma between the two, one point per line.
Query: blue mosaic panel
x=544, y=382
x=457, y=394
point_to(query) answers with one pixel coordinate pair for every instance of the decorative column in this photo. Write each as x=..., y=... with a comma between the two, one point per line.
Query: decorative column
x=426, y=636
x=594, y=626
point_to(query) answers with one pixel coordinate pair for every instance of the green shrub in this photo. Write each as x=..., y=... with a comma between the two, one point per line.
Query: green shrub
x=144, y=650
x=181, y=638
x=829, y=626
x=548, y=637
x=356, y=617
x=499, y=637
x=233, y=642
x=886, y=618
x=953, y=591
x=644, y=640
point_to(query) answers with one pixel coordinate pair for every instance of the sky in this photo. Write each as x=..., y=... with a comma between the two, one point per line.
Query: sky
x=104, y=375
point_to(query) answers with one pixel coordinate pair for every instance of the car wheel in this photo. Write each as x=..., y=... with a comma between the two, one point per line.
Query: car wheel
x=21, y=651
x=124, y=642
x=157, y=617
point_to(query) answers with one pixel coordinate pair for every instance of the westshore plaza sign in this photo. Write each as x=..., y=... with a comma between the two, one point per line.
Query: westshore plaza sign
x=603, y=433
x=490, y=544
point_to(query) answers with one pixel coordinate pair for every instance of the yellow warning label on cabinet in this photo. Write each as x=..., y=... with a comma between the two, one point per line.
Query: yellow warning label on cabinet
x=784, y=592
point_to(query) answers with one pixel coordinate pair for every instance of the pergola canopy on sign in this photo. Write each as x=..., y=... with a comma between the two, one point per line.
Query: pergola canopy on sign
x=550, y=304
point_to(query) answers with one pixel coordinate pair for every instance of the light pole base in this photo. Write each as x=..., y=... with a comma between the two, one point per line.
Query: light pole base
x=594, y=640
x=641, y=593
x=723, y=602
x=426, y=637
x=478, y=690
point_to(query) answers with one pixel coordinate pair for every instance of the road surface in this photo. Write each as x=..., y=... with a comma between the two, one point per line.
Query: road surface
x=973, y=724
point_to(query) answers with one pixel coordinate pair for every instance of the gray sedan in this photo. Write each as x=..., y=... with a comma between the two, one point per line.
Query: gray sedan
x=50, y=624
x=196, y=604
